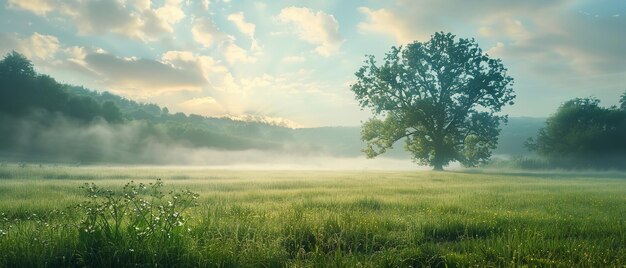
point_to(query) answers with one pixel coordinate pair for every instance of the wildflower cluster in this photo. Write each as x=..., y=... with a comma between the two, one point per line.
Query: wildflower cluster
x=139, y=211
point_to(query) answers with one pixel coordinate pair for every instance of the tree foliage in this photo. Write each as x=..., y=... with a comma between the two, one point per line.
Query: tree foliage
x=582, y=133
x=442, y=96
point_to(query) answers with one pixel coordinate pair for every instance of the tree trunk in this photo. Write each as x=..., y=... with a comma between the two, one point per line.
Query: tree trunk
x=438, y=167
x=437, y=160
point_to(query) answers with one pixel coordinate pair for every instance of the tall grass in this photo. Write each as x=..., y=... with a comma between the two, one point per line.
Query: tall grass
x=307, y=218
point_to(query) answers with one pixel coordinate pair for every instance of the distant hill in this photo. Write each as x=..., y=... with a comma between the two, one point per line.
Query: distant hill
x=515, y=133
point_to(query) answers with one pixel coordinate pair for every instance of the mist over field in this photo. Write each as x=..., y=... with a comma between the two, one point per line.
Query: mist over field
x=55, y=138
x=43, y=137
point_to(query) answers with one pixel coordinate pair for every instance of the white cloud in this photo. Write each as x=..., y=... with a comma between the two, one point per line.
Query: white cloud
x=41, y=46
x=205, y=32
x=496, y=50
x=206, y=105
x=144, y=23
x=36, y=47
x=240, y=21
x=383, y=21
x=142, y=4
x=245, y=27
x=75, y=53
x=170, y=12
x=135, y=20
x=39, y=7
x=317, y=28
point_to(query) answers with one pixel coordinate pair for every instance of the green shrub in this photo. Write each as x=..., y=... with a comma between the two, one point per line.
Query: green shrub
x=139, y=210
x=131, y=225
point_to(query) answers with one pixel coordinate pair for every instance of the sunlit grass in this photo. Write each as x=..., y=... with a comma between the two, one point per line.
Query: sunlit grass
x=330, y=218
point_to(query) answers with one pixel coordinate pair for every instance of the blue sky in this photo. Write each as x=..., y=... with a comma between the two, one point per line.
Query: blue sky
x=293, y=61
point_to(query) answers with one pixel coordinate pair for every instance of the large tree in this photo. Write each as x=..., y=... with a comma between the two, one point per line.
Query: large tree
x=442, y=96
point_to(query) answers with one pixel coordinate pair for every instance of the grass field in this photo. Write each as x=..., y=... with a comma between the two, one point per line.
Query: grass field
x=318, y=218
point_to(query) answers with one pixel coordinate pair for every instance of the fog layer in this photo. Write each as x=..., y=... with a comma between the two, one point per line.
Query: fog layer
x=53, y=138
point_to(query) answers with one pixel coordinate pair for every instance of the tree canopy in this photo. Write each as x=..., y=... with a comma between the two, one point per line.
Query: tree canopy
x=23, y=91
x=442, y=96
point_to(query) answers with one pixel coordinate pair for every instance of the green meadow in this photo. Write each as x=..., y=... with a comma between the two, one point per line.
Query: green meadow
x=244, y=218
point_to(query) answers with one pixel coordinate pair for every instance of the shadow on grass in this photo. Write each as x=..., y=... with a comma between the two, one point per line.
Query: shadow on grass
x=456, y=231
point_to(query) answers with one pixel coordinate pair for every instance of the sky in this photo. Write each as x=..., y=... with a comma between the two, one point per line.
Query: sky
x=292, y=62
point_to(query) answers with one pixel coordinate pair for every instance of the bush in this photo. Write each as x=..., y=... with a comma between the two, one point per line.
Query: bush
x=138, y=220
x=582, y=134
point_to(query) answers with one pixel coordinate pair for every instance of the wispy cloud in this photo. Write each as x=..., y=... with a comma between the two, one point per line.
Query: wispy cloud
x=318, y=28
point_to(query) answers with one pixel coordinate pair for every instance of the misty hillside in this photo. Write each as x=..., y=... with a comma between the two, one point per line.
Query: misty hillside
x=59, y=123
x=516, y=132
